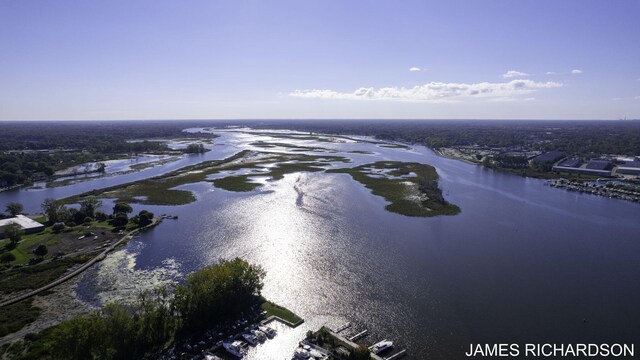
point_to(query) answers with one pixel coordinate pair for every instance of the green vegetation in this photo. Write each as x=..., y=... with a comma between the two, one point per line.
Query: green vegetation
x=281, y=312
x=241, y=183
x=264, y=144
x=13, y=209
x=335, y=345
x=161, y=190
x=16, y=316
x=35, y=276
x=195, y=149
x=33, y=151
x=210, y=296
x=417, y=195
x=14, y=233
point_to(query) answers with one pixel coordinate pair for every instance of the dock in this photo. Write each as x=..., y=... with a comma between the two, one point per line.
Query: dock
x=397, y=355
x=359, y=335
x=343, y=327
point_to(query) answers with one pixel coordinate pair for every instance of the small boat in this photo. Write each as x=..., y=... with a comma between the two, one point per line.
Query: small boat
x=251, y=339
x=234, y=348
x=210, y=356
x=301, y=354
x=381, y=346
x=271, y=332
x=259, y=335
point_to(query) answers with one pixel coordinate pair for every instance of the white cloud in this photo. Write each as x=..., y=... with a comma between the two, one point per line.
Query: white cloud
x=551, y=73
x=576, y=71
x=514, y=73
x=415, y=69
x=433, y=91
x=637, y=97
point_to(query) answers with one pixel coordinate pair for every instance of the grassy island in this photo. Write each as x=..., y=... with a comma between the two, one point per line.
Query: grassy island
x=411, y=188
x=161, y=190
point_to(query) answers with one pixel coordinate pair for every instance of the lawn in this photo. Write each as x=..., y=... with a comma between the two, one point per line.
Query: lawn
x=281, y=312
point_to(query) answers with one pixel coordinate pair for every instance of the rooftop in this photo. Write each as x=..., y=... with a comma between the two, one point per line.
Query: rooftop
x=599, y=165
x=21, y=220
x=631, y=164
x=574, y=163
x=548, y=156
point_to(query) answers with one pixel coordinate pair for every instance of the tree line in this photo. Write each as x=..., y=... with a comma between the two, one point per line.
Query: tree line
x=157, y=319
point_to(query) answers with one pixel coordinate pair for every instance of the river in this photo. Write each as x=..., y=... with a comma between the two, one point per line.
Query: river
x=522, y=262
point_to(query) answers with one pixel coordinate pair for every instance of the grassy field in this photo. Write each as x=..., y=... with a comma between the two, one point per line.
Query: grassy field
x=408, y=195
x=55, y=242
x=281, y=312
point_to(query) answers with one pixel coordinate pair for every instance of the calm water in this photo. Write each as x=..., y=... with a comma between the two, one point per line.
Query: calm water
x=521, y=263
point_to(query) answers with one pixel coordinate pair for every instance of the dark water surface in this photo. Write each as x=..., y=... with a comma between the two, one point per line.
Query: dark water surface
x=522, y=263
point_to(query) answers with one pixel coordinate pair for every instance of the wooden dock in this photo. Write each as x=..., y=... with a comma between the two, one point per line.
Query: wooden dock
x=343, y=328
x=397, y=355
x=359, y=335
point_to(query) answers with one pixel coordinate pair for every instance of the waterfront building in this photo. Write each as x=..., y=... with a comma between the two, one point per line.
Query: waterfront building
x=28, y=225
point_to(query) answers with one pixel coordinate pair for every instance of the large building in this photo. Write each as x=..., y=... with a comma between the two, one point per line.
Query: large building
x=29, y=226
x=548, y=157
x=593, y=167
x=629, y=168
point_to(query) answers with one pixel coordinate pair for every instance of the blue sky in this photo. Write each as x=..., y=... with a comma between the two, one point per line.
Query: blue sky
x=319, y=59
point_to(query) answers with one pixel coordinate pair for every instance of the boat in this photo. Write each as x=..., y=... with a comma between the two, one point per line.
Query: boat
x=259, y=335
x=269, y=331
x=301, y=354
x=381, y=346
x=251, y=339
x=234, y=348
x=210, y=356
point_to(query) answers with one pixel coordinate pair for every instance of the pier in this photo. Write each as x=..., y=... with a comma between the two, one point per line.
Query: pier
x=397, y=355
x=343, y=327
x=359, y=335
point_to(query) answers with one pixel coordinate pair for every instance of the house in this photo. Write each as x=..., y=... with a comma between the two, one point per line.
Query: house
x=28, y=225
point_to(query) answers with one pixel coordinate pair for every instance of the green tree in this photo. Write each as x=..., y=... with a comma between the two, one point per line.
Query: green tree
x=89, y=206
x=7, y=257
x=195, y=149
x=217, y=292
x=52, y=209
x=41, y=251
x=120, y=219
x=144, y=218
x=360, y=353
x=122, y=207
x=14, y=208
x=13, y=232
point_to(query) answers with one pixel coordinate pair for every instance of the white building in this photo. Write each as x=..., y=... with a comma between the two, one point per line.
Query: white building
x=29, y=226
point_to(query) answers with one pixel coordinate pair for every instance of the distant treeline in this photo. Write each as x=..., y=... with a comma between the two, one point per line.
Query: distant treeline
x=571, y=136
x=94, y=136
x=31, y=151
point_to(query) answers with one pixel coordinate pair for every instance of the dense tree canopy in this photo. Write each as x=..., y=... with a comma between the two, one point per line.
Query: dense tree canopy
x=210, y=295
